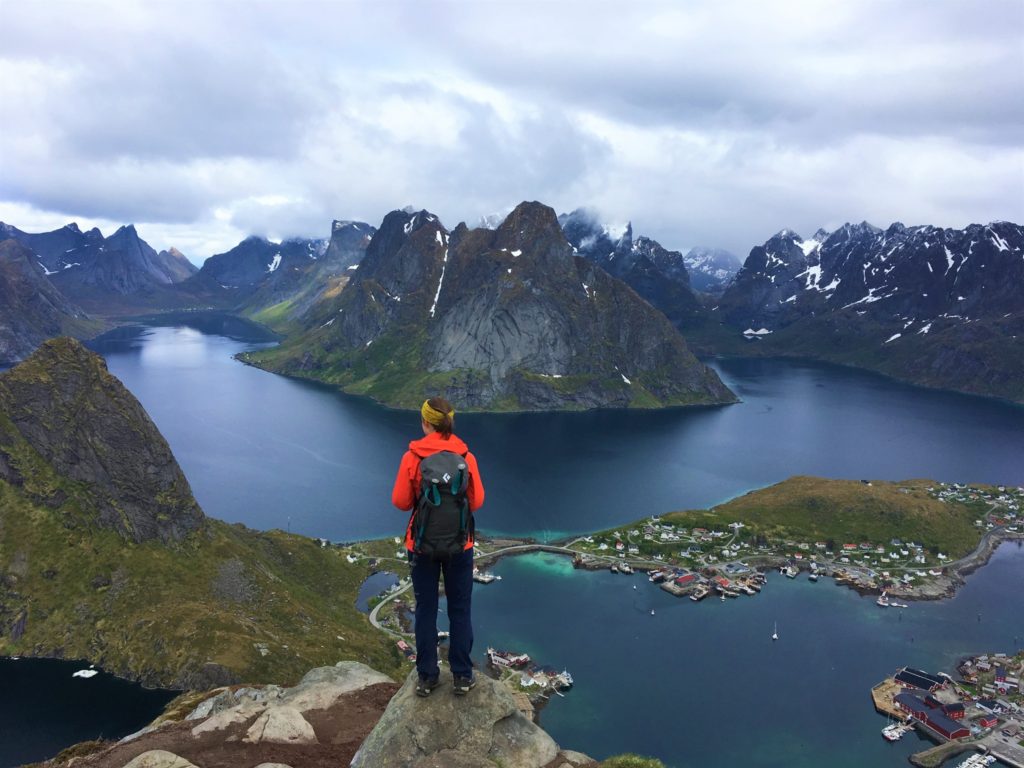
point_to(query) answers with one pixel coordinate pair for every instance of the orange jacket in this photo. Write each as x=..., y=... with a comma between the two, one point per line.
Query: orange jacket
x=407, y=483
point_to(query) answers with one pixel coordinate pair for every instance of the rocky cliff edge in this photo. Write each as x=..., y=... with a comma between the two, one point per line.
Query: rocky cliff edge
x=347, y=714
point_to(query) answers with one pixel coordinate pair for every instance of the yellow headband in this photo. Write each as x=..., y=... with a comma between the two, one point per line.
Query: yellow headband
x=433, y=416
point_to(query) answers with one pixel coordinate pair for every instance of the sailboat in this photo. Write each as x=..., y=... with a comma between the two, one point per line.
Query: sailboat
x=775, y=633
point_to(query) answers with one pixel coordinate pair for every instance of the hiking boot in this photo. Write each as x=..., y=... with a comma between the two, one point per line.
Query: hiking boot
x=425, y=685
x=463, y=685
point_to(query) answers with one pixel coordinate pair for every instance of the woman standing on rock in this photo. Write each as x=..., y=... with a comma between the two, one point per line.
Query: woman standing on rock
x=439, y=481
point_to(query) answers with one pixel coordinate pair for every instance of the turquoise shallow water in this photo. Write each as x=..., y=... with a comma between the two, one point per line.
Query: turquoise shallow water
x=702, y=684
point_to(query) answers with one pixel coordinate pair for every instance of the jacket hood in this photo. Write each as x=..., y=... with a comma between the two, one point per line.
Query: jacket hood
x=435, y=443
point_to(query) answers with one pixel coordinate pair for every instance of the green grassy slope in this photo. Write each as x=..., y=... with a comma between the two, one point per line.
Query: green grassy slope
x=162, y=613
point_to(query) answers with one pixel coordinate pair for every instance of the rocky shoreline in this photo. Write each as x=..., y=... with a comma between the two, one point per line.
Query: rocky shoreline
x=938, y=588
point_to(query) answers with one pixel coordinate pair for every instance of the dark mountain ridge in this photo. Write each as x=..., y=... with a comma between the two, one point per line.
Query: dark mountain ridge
x=939, y=307
x=659, y=275
x=31, y=308
x=111, y=275
x=920, y=273
x=499, y=319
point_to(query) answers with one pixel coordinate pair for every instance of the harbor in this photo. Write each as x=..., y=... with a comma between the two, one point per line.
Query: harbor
x=982, y=711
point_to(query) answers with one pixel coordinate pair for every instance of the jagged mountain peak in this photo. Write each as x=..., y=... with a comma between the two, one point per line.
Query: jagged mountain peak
x=850, y=229
x=66, y=407
x=529, y=217
x=339, y=224
x=785, y=234
x=509, y=318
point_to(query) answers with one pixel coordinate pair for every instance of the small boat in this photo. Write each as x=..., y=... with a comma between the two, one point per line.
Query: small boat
x=775, y=632
x=484, y=577
x=813, y=576
x=562, y=681
x=652, y=611
x=625, y=568
x=507, y=659
x=896, y=731
x=882, y=601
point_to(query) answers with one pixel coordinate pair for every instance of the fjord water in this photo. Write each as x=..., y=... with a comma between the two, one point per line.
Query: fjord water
x=44, y=707
x=273, y=452
x=695, y=684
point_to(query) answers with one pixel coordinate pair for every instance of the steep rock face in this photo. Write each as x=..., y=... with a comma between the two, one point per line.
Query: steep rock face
x=941, y=307
x=31, y=308
x=505, y=318
x=62, y=406
x=711, y=269
x=659, y=275
x=349, y=240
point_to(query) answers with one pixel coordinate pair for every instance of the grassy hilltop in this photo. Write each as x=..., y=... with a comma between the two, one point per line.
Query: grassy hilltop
x=850, y=511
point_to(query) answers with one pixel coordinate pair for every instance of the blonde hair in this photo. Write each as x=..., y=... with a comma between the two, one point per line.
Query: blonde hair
x=438, y=413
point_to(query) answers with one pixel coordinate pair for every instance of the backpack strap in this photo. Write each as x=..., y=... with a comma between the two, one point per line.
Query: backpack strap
x=432, y=498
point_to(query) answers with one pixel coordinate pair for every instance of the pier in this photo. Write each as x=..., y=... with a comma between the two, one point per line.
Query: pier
x=882, y=694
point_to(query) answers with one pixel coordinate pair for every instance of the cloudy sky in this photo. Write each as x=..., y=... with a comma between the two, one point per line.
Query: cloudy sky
x=705, y=123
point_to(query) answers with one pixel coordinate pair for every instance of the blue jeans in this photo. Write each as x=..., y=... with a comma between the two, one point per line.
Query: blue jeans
x=458, y=588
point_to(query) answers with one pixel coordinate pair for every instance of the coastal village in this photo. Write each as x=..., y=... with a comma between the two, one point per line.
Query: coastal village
x=726, y=561
x=981, y=711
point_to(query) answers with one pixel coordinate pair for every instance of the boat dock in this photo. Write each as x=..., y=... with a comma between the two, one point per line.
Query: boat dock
x=882, y=694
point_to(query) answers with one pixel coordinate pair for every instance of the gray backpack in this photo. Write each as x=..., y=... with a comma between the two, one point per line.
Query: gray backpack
x=442, y=522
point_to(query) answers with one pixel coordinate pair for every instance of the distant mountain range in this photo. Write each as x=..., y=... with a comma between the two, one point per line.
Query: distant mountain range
x=278, y=282
x=940, y=307
x=92, y=270
x=503, y=319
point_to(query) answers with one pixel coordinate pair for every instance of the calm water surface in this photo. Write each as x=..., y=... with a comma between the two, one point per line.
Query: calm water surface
x=44, y=708
x=273, y=452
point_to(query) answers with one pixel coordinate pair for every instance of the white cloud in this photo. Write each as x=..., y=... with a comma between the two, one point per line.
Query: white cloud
x=715, y=122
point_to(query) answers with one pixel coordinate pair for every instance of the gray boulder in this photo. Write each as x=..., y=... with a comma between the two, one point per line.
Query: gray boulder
x=484, y=727
x=158, y=758
x=320, y=688
x=281, y=725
